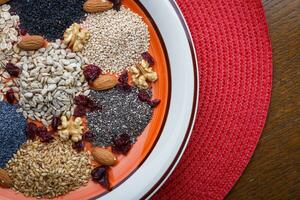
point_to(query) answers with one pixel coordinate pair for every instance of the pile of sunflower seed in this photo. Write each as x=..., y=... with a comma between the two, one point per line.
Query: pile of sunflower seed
x=48, y=170
x=8, y=32
x=51, y=77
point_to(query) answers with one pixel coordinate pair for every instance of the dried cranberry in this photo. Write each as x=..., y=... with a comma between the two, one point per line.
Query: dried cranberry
x=56, y=121
x=154, y=103
x=123, y=78
x=12, y=70
x=144, y=96
x=78, y=146
x=147, y=57
x=124, y=86
x=81, y=100
x=117, y=4
x=31, y=130
x=89, y=135
x=122, y=144
x=10, y=97
x=91, y=72
x=84, y=104
x=44, y=135
x=100, y=175
x=22, y=31
x=79, y=111
x=123, y=82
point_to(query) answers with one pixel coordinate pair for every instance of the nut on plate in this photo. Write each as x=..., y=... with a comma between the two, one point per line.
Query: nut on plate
x=104, y=156
x=3, y=2
x=31, y=42
x=76, y=37
x=142, y=74
x=70, y=129
x=104, y=82
x=94, y=6
x=5, y=180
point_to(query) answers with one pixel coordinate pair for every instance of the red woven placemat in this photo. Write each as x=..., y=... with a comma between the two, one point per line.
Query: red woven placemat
x=235, y=64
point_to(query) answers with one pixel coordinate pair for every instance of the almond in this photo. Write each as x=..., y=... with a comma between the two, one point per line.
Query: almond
x=104, y=156
x=94, y=6
x=104, y=82
x=5, y=180
x=31, y=42
x=3, y=1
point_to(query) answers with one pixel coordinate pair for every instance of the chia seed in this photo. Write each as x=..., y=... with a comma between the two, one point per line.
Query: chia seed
x=49, y=18
x=12, y=131
x=122, y=112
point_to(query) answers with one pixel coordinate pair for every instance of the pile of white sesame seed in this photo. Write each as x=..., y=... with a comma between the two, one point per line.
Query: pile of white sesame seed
x=118, y=39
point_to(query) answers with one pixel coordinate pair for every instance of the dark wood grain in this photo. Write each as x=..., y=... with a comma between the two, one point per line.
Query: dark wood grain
x=274, y=171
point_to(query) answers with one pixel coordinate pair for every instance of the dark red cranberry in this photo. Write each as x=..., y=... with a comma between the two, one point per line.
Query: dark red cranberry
x=78, y=146
x=56, y=121
x=89, y=135
x=144, y=96
x=44, y=135
x=147, y=57
x=84, y=104
x=154, y=103
x=123, y=82
x=79, y=111
x=31, y=130
x=122, y=144
x=10, y=96
x=100, y=175
x=91, y=72
x=22, y=31
x=123, y=78
x=12, y=70
x=124, y=86
x=46, y=138
x=81, y=100
x=117, y=4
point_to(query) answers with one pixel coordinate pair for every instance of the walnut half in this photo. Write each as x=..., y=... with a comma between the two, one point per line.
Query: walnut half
x=71, y=129
x=143, y=73
x=76, y=37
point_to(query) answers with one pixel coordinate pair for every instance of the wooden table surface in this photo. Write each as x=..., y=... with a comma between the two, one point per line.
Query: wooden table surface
x=274, y=171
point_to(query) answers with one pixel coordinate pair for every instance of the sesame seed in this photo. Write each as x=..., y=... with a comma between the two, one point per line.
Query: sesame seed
x=118, y=39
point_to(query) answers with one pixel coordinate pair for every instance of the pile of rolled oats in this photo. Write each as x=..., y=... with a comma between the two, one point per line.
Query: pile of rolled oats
x=51, y=78
x=8, y=32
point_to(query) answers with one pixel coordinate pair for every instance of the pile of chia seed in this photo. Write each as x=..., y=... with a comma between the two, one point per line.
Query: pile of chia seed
x=12, y=131
x=49, y=18
x=122, y=112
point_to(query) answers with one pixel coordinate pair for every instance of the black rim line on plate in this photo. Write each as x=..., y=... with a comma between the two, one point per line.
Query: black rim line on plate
x=168, y=100
x=179, y=153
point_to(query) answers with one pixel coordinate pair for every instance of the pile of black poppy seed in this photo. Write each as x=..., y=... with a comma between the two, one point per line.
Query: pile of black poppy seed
x=122, y=112
x=49, y=18
x=12, y=131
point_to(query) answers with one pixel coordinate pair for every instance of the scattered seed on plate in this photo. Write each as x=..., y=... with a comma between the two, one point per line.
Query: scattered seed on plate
x=122, y=113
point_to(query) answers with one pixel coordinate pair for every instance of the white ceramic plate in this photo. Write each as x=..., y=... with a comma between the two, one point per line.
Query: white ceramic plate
x=164, y=157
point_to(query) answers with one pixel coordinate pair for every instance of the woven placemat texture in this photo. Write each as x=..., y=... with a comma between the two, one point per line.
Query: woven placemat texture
x=235, y=65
